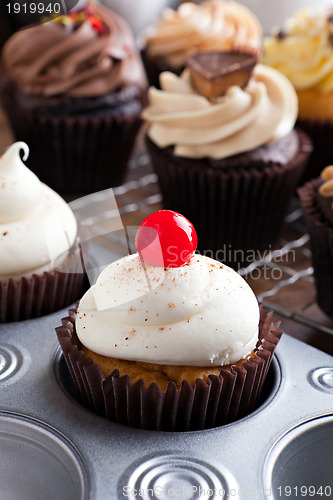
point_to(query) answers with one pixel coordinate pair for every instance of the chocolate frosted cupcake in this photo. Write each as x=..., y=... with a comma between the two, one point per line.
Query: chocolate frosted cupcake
x=303, y=51
x=167, y=339
x=210, y=25
x=317, y=202
x=222, y=143
x=75, y=92
x=40, y=260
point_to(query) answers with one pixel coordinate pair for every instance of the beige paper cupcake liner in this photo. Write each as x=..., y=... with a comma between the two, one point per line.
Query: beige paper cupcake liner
x=220, y=400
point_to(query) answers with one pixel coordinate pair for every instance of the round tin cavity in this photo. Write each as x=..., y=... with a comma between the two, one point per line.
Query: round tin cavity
x=300, y=464
x=172, y=476
x=38, y=462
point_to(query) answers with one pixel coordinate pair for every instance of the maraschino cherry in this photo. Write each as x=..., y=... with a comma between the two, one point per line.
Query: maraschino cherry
x=166, y=238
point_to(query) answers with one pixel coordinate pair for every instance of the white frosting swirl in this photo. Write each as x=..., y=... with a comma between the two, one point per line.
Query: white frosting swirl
x=36, y=224
x=201, y=314
x=241, y=120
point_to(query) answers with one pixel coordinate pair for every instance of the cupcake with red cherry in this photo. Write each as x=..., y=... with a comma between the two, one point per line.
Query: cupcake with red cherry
x=168, y=339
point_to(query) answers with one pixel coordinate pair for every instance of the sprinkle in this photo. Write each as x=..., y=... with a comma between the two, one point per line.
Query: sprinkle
x=5, y=233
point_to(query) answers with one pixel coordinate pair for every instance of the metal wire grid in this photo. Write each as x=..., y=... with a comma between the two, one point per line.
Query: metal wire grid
x=140, y=196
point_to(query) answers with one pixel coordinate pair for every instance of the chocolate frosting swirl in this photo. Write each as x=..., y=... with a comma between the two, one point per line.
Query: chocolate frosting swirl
x=51, y=59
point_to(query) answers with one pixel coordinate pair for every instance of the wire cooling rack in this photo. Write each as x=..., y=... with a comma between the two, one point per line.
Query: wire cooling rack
x=282, y=278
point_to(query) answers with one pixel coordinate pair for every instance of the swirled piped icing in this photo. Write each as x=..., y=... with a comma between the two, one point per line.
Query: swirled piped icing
x=53, y=59
x=200, y=314
x=303, y=51
x=36, y=224
x=211, y=25
x=243, y=119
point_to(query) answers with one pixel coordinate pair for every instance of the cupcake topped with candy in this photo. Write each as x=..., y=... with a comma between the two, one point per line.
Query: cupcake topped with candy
x=210, y=25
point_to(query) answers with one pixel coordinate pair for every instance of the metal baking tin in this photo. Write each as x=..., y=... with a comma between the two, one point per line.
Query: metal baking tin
x=52, y=448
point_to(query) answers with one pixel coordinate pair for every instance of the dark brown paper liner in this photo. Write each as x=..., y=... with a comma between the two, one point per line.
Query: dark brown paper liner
x=154, y=67
x=74, y=154
x=220, y=400
x=237, y=212
x=38, y=295
x=321, y=241
x=321, y=134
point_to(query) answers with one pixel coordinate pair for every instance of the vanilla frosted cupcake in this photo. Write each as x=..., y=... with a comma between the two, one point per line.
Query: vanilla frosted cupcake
x=223, y=144
x=40, y=265
x=168, y=339
x=302, y=50
x=210, y=25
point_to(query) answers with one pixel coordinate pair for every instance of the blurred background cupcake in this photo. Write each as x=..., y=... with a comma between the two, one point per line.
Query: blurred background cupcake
x=317, y=202
x=210, y=25
x=74, y=92
x=223, y=145
x=303, y=51
x=40, y=258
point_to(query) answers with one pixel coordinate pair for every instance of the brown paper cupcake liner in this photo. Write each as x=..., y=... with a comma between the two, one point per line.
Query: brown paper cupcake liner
x=321, y=241
x=237, y=210
x=74, y=154
x=38, y=295
x=321, y=133
x=220, y=400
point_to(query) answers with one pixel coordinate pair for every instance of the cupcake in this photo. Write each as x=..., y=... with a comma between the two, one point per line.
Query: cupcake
x=74, y=93
x=223, y=144
x=317, y=202
x=302, y=50
x=211, y=25
x=40, y=264
x=167, y=339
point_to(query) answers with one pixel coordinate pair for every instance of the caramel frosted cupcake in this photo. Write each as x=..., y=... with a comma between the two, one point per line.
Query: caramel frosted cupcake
x=211, y=25
x=223, y=145
x=317, y=201
x=74, y=93
x=303, y=51
x=167, y=339
x=40, y=262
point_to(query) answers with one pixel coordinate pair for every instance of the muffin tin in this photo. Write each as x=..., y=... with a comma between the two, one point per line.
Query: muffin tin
x=55, y=448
